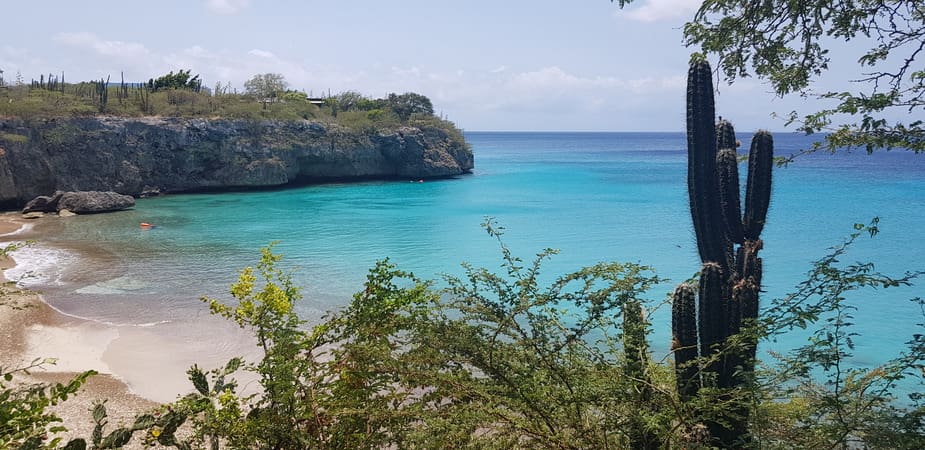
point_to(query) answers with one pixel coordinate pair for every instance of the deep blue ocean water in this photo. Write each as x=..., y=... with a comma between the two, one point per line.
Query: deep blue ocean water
x=594, y=196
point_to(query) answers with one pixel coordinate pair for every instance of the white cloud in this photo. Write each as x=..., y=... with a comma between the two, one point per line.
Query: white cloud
x=119, y=49
x=226, y=6
x=555, y=80
x=413, y=72
x=261, y=54
x=660, y=10
x=13, y=59
x=551, y=97
x=195, y=51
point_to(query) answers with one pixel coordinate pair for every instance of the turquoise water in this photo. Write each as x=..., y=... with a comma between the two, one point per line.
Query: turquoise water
x=595, y=196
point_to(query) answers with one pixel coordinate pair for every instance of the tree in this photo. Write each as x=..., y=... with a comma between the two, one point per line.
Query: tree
x=180, y=80
x=266, y=87
x=410, y=103
x=788, y=43
x=348, y=100
x=294, y=96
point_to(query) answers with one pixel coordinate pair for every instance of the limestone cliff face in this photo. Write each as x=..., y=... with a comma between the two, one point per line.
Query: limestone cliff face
x=137, y=155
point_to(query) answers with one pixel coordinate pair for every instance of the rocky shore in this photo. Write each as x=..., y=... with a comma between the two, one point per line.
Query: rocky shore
x=151, y=155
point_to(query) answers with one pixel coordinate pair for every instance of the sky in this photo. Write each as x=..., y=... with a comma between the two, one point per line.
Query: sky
x=540, y=65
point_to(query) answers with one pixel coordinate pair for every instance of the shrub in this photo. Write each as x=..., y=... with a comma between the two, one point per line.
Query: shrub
x=499, y=361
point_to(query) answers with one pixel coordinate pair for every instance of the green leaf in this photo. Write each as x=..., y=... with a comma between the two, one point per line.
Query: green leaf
x=143, y=421
x=199, y=380
x=117, y=439
x=99, y=412
x=233, y=365
x=75, y=444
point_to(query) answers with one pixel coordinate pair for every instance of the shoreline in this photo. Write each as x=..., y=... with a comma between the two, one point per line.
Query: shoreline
x=31, y=329
x=149, y=357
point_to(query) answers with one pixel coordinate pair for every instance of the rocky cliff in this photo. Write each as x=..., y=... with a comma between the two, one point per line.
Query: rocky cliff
x=138, y=155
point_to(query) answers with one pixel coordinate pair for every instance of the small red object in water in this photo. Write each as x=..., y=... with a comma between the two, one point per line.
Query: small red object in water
x=146, y=225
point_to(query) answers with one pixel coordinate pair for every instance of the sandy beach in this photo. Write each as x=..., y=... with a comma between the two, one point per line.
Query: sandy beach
x=31, y=330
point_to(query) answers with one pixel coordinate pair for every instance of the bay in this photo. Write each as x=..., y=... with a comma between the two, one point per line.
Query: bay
x=594, y=196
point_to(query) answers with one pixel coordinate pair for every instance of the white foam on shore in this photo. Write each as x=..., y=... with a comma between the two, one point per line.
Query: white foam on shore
x=39, y=265
x=22, y=229
x=115, y=286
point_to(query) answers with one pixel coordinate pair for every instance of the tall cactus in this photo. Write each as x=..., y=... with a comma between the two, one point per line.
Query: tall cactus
x=102, y=92
x=728, y=243
x=637, y=361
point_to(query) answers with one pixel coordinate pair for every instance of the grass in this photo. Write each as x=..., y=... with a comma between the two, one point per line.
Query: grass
x=14, y=138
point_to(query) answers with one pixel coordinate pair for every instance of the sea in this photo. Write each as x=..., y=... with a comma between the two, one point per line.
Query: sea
x=593, y=196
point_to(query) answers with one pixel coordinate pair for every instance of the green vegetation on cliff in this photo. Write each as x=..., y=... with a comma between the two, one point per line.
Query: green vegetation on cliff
x=172, y=135
x=181, y=95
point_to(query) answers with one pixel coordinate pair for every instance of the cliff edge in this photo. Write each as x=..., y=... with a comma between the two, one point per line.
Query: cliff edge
x=135, y=156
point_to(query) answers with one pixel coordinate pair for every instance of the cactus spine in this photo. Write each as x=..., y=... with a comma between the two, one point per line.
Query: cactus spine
x=728, y=243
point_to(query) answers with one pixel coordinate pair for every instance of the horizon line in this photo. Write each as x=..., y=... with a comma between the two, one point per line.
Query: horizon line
x=604, y=131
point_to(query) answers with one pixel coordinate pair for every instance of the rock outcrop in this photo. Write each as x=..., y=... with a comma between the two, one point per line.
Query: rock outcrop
x=43, y=203
x=83, y=202
x=89, y=202
x=137, y=156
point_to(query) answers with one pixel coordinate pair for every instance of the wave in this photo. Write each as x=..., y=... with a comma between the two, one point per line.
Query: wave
x=22, y=229
x=38, y=265
x=101, y=321
x=115, y=286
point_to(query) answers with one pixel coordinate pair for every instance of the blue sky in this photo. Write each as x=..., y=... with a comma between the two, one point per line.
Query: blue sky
x=486, y=64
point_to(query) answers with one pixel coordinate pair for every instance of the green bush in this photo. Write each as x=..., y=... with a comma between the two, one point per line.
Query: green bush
x=180, y=95
x=499, y=361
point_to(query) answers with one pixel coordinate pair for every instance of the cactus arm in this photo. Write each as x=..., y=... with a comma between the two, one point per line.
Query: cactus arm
x=725, y=135
x=684, y=341
x=758, y=190
x=701, y=164
x=711, y=314
x=727, y=171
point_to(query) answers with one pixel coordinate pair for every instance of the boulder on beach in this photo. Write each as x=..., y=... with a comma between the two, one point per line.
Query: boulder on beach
x=88, y=202
x=43, y=203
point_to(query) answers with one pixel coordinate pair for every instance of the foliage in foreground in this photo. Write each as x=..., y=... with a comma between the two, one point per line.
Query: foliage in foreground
x=493, y=362
x=511, y=360
x=791, y=44
x=506, y=361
